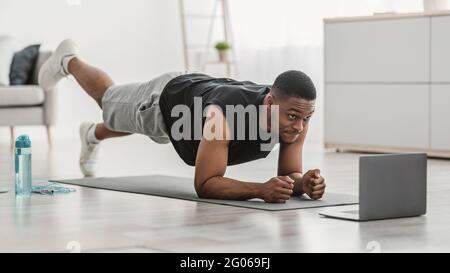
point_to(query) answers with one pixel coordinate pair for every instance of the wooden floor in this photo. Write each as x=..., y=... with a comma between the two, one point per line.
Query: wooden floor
x=92, y=220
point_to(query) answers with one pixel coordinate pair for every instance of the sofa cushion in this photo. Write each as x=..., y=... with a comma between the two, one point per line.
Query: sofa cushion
x=21, y=95
x=23, y=64
x=6, y=55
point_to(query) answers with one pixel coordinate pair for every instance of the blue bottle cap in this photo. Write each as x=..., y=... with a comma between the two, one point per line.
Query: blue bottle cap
x=23, y=141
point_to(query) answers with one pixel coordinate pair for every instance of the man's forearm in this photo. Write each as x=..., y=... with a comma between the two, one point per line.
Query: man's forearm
x=298, y=185
x=226, y=188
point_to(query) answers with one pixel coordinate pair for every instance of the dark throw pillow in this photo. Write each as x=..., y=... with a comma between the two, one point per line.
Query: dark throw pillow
x=23, y=64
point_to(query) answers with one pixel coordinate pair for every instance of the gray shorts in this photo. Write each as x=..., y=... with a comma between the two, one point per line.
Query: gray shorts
x=134, y=108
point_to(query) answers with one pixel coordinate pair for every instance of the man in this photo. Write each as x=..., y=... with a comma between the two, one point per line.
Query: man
x=153, y=108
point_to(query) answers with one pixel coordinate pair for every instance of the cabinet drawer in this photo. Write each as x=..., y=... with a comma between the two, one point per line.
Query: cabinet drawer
x=377, y=114
x=378, y=51
x=440, y=49
x=440, y=117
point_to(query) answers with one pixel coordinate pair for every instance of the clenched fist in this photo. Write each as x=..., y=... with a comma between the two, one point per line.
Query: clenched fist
x=313, y=184
x=277, y=189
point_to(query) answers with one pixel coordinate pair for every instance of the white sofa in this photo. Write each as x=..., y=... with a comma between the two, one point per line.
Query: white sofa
x=24, y=105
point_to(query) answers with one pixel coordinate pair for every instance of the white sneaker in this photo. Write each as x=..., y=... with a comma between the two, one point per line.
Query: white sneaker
x=52, y=70
x=89, y=151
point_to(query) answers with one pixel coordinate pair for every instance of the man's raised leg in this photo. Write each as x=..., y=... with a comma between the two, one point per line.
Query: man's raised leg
x=63, y=62
x=92, y=79
x=95, y=82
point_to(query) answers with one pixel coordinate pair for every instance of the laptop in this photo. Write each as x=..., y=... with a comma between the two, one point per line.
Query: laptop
x=390, y=186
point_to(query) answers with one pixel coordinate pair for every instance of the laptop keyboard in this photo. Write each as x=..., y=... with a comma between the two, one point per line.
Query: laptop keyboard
x=351, y=211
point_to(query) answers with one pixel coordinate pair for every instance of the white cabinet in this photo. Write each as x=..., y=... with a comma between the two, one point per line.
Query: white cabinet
x=387, y=83
x=440, y=49
x=377, y=115
x=377, y=51
x=440, y=117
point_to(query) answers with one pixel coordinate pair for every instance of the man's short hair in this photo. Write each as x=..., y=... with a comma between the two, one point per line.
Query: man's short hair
x=294, y=83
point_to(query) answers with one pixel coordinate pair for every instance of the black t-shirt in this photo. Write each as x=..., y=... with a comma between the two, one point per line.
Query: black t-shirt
x=217, y=91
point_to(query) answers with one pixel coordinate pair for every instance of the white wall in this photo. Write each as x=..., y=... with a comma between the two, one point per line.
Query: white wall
x=132, y=40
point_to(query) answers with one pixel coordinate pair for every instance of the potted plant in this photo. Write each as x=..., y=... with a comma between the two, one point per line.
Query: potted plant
x=222, y=48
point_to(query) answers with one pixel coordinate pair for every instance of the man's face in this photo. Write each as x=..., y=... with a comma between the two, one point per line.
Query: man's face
x=294, y=115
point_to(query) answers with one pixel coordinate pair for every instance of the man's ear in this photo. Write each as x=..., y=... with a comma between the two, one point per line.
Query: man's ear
x=270, y=100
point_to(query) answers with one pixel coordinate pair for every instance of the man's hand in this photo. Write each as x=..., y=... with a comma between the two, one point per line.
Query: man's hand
x=277, y=189
x=313, y=184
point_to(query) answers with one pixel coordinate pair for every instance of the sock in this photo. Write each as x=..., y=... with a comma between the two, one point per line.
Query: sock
x=91, y=138
x=65, y=63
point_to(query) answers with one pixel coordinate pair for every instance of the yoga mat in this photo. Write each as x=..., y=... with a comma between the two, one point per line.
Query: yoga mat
x=183, y=188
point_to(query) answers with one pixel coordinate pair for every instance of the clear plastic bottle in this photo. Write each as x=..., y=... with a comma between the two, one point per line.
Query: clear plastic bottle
x=23, y=165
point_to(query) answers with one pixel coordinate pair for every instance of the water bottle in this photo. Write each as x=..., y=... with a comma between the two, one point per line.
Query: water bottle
x=23, y=165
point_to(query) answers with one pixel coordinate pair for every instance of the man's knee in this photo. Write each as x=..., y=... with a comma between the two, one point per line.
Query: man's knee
x=99, y=96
